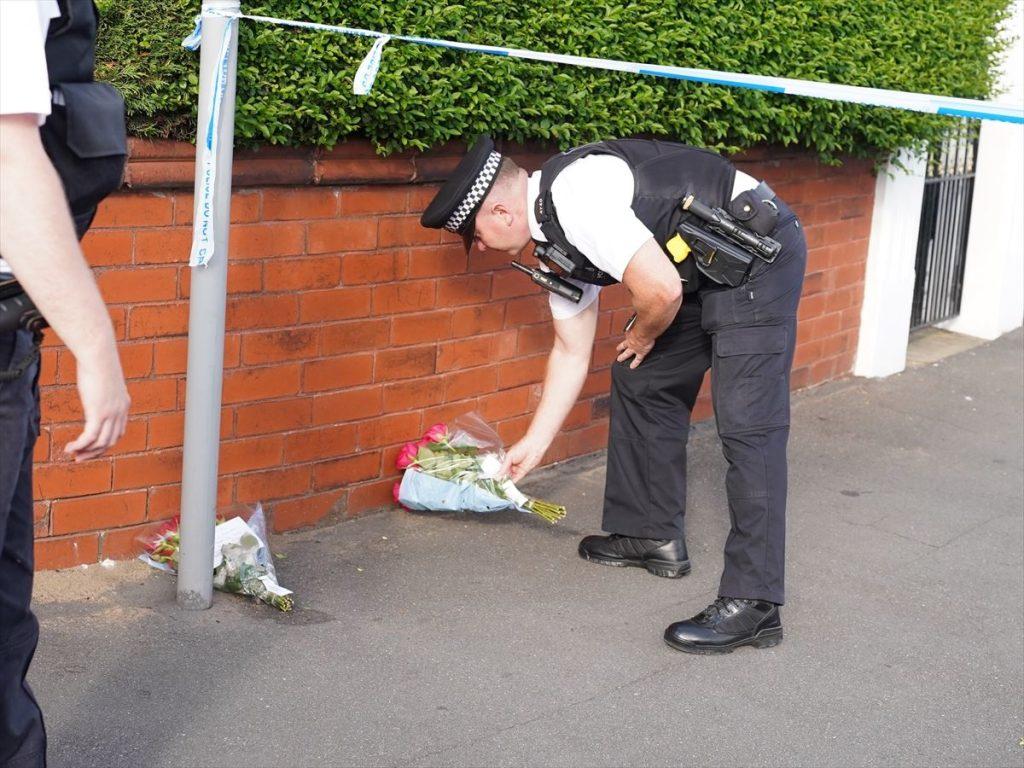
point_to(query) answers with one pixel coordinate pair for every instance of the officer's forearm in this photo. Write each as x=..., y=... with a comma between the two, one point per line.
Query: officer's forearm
x=568, y=365
x=655, y=315
x=566, y=373
x=654, y=284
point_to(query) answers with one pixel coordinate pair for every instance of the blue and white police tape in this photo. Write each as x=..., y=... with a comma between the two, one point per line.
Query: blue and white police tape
x=853, y=94
x=202, y=238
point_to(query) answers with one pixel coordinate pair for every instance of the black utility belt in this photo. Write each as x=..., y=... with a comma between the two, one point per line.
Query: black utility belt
x=724, y=244
x=17, y=312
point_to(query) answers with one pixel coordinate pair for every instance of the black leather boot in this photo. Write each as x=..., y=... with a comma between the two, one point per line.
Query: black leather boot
x=726, y=624
x=662, y=557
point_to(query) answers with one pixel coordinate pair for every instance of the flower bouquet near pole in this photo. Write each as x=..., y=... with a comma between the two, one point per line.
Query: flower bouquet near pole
x=242, y=562
x=456, y=468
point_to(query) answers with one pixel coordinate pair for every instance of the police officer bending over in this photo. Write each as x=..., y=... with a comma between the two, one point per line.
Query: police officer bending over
x=81, y=147
x=714, y=262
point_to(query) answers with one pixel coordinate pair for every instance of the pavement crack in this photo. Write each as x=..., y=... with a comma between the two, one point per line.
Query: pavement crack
x=903, y=536
x=547, y=714
x=974, y=527
x=876, y=525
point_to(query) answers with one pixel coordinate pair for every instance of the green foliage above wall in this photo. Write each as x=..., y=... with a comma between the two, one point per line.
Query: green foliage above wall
x=295, y=87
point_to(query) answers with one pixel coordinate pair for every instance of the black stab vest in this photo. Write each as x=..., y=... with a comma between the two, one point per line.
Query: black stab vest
x=70, y=42
x=85, y=132
x=663, y=174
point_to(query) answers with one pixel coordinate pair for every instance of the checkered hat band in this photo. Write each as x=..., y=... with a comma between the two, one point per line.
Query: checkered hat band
x=476, y=193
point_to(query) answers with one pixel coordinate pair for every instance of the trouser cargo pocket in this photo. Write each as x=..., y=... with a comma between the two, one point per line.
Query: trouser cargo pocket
x=750, y=377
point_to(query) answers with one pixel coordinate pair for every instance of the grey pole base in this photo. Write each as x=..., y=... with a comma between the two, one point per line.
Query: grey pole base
x=194, y=601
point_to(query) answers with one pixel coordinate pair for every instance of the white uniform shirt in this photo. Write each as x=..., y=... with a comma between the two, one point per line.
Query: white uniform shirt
x=24, y=82
x=593, y=198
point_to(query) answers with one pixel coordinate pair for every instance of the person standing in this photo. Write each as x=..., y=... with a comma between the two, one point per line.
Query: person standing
x=40, y=211
x=609, y=212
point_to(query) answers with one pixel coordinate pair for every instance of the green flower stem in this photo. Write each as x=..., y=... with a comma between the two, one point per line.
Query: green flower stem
x=545, y=509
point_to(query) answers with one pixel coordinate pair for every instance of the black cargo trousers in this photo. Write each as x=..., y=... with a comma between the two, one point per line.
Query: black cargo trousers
x=22, y=737
x=747, y=336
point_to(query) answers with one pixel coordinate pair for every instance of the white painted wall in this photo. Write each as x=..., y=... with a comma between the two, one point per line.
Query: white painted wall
x=993, y=296
x=889, y=276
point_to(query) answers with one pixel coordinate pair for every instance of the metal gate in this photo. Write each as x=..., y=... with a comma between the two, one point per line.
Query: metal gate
x=945, y=217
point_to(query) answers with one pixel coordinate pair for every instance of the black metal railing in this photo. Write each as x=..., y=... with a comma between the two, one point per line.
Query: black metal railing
x=945, y=220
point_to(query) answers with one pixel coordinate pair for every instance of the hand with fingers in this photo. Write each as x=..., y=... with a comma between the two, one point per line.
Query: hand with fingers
x=105, y=401
x=635, y=346
x=521, y=458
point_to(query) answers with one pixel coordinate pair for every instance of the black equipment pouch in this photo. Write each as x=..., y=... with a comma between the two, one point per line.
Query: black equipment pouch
x=85, y=132
x=723, y=248
x=85, y=139
x=755, y=209
x=716, y=257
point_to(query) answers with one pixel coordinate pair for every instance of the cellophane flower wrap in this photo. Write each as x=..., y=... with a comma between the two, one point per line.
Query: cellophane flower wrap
x=242, y=562
x=456, y=468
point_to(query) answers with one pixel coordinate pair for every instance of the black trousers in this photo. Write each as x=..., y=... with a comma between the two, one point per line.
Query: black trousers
x=22, y=737
x=650, y=406
x=747, y=336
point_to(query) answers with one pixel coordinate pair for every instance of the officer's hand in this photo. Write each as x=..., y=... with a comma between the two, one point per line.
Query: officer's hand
x=105, y=402
x=634, y=346
x=520, y=459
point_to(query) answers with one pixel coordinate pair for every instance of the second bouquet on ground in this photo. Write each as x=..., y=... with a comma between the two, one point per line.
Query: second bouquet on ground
x=458, y=469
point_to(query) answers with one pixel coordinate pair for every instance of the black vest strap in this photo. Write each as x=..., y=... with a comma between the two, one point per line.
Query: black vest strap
x=544, y=209
x=71, y=42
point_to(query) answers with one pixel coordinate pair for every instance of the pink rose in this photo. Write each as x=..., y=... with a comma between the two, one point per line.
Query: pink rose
x=407, y=455
x=396, y=493
x=436, y=433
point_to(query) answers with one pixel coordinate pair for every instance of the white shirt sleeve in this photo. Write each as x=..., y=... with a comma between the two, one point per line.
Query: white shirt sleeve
x=593, y=197
x=563, y=309
x=24, y=83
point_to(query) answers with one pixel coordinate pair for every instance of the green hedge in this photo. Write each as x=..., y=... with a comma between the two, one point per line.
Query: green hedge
x=294, y=87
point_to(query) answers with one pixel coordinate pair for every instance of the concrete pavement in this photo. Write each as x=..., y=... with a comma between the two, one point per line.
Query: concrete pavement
x=462, y=640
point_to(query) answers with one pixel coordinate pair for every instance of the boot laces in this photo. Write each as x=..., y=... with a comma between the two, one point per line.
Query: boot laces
x=725, y=606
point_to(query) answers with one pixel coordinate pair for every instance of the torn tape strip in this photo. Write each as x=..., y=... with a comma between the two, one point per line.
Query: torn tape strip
x=367, y=72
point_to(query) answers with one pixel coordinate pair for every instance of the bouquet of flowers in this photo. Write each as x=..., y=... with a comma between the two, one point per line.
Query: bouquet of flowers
x=457, y=468
x=241, y=560
x=163, y=546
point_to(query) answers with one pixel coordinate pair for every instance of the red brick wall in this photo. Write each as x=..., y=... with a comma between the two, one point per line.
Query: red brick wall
x=349, y=330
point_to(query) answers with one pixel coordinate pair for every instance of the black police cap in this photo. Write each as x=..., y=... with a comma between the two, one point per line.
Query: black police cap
x=455, y=205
